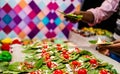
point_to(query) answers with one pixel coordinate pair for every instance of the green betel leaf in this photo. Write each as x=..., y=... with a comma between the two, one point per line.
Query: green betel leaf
x=74, y=17
x=93, y=72
x=84, y=59
x=114, y=71
x=38, y=63
x=61, y=66
x=93, y=41
x=10, y=72
x=3, y=66
x=14, y=67
x=85, y=52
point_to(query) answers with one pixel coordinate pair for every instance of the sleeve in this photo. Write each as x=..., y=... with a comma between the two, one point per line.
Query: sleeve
x=103, y=12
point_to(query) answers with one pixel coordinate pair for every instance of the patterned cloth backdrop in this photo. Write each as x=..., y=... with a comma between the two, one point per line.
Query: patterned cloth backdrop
x=36, y=18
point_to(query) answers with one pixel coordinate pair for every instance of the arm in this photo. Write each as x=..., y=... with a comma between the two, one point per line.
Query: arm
x=88, y=16
x=93, y=16
x=115, y=47
x=103, y=12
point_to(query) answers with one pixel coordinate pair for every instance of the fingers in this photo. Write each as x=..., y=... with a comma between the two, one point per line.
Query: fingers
x=116, y=41
x=102, y=46
x=73, y=17
x=112, y=46
x=68, y=18
x=115, y=46
x=77, y=13
x=104, y=51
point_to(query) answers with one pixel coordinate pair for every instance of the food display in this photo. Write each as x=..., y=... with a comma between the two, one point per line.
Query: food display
x=54, y=56
x=72, y=16
x=90, y=31
x=88, y=36
x=100, y=42
x=5, y=54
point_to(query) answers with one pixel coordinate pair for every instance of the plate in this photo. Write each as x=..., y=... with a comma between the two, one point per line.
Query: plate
x=103, y=43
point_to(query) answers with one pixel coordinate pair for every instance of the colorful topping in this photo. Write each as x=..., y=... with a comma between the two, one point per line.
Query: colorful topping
x=103, y=71
x=7, y=41
x=82, y=71
x=16, y=41
x=5, y=47
x=46, y=57
x=58, y=72
x=5, y=56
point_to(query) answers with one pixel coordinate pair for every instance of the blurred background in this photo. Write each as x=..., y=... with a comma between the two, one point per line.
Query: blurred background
x=36, y=18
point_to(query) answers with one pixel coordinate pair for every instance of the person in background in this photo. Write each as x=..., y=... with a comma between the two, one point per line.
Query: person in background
x=112, y=50
x=96, y=15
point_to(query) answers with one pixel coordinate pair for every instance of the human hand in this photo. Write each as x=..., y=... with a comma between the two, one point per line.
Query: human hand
x=116, y=41
x=115, y=47
x=73, y=17
x=87, y=17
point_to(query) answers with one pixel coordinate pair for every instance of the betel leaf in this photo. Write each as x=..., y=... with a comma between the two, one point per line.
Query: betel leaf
x=10, y=72
x=108, y=34
x=94, y=71
x=84, y=59
x=102, y=43
x=109, y=66
x=114, y=71
x=28, y=70
x=85, y=52
x=14, y=66
x=86, y=65
x=93, y=41
x=104, y=64
x=61, y=66
x=59, y=61
x=32, y=57
x=44, y=67
x=72, y=16
x=29, y=51
x=3, y=66
x=38, y=63
x=75, y=57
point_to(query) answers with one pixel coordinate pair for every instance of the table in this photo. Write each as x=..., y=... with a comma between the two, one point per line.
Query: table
x=19, y=56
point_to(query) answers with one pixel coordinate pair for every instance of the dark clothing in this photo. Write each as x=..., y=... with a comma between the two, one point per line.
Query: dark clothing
x=117, y=29
x=115, y=57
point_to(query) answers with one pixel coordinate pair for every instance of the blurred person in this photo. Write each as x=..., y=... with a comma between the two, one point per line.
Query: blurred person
x=112, y=50
x=96, y=15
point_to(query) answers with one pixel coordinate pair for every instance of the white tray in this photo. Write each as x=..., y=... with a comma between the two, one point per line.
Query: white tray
x=84, y=41
x=19, y=56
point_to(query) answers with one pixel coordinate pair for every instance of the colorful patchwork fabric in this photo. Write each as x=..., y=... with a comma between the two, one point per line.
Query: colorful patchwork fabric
x=36, y=18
